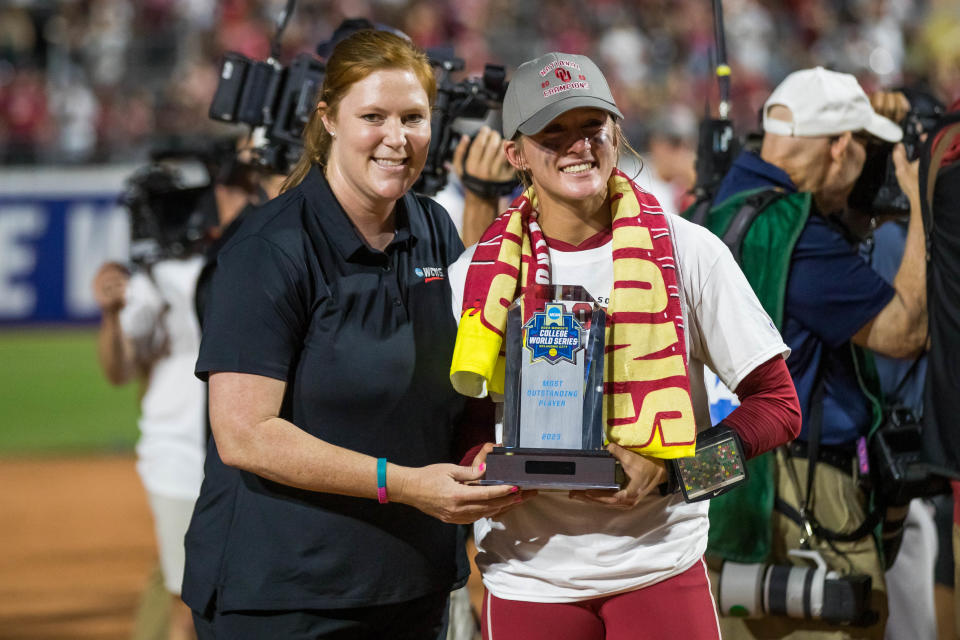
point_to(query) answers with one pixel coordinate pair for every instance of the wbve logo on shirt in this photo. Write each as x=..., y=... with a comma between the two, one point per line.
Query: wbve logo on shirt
x=429, y=273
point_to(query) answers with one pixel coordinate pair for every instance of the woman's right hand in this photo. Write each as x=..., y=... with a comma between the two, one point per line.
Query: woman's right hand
x=440, y=490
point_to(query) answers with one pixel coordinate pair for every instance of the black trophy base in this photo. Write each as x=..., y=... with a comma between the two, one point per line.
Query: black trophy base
x=553, y=469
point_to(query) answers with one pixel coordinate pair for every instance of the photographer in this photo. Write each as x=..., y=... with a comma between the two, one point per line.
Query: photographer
x=242, y=186
x=149, y=332
x=818, y=128
x=482, y=158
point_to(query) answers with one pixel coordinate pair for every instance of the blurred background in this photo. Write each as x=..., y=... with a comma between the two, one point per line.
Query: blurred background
x=100, y=81
x=89, y=87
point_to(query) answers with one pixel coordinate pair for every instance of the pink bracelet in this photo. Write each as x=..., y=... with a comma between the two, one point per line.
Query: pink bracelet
x=382, y=480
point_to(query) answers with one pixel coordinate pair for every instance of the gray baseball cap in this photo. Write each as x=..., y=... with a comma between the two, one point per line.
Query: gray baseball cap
x=549, y=86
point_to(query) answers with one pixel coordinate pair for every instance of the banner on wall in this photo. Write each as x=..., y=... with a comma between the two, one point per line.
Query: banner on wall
x=722, y=401
x=57, y=226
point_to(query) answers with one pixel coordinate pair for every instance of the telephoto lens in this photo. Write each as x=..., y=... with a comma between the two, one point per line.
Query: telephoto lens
x=757, y=590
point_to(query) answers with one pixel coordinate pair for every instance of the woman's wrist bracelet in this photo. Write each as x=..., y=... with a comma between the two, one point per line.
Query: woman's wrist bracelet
x=382, y=480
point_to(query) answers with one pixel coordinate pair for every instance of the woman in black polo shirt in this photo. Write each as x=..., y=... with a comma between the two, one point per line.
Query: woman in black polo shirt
x=326, y=508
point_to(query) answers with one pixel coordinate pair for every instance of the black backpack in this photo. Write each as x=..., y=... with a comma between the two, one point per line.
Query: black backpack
x=940, y=201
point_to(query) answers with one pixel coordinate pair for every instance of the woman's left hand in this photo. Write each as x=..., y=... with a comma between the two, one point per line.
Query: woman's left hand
x=643, y=476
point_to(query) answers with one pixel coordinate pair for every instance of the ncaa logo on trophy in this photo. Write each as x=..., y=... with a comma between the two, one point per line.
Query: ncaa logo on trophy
x=553, y=335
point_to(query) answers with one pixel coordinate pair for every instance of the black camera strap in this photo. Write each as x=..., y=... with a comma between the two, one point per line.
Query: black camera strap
x=487, y=189
x=803, y=516
x=866, y=527
x=745, y=215
x=813, y=441
x=700, y=210
x=906, y=377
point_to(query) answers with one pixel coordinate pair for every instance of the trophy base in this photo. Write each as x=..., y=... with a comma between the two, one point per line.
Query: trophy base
x=553, y=469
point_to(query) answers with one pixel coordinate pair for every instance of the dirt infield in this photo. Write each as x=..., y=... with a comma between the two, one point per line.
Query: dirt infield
x=76, y=548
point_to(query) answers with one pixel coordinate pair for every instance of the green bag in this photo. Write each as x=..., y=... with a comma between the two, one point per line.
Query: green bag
x=762, y=241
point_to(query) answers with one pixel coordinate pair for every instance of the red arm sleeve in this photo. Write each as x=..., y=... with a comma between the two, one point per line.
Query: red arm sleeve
x=476, y=428
x=769, y=412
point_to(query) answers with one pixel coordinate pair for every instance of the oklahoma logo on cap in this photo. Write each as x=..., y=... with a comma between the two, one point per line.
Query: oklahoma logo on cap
x=554, y=83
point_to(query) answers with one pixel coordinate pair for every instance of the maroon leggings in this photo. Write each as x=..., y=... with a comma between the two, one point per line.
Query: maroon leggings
x=679, y=607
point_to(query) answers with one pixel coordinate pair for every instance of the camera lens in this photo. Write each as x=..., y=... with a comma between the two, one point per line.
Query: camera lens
x=847, y=599
x=756, y=590
x=741, y=589
x=789, y=592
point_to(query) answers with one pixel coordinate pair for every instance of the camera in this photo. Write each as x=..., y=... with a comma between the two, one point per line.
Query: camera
x=899, y=472
x=717, y=146
x=171, y=209
x=756, y=590
x=275, y=101
x=877, y=191
x=461, y=109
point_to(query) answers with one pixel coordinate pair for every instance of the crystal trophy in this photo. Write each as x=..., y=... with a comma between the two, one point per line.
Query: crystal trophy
x=553, y=436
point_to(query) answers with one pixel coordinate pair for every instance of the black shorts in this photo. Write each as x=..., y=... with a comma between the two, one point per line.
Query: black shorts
x=420, y=619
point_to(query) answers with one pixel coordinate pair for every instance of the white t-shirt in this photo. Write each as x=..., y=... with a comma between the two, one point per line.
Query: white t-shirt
x=452, y=198
x=171, y=448
x=553, y=549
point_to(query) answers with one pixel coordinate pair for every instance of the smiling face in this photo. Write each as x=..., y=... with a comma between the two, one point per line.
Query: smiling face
x=381, y=135
x=570, y=159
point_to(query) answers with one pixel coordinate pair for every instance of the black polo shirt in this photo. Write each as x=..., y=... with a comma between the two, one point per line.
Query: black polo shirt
x=363, y=339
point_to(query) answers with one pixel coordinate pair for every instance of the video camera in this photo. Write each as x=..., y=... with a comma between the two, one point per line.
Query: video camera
x=756, y=590
x=461, y=109
x=275, y=101
x=171, y=207
x=877, y=191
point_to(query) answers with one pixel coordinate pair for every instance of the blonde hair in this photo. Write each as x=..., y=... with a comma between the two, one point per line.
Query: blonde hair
x=353, y=59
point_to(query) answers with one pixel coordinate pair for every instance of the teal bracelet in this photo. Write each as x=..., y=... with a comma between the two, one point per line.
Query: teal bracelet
x=382, y=480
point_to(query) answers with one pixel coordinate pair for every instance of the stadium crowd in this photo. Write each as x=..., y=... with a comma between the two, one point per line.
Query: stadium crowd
x=105, y=80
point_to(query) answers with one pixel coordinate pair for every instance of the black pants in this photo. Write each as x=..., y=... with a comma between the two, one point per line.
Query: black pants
x=420, y=619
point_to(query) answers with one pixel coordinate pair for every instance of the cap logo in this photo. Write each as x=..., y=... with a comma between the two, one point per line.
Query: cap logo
x=569, y=64
x=563, y=75
x=560, y=88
